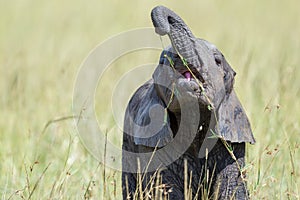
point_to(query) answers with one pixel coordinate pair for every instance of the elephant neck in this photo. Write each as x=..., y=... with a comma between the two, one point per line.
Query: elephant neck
x=203, y=126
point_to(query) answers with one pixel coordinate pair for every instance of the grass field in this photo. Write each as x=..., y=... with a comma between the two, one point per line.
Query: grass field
x=43, y=43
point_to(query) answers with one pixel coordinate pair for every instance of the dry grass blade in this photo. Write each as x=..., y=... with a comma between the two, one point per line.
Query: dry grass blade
x=87, y=194
x=38, y=181
x=104, y=170
x=58, y=120
x=185, y=179
x=27, y=178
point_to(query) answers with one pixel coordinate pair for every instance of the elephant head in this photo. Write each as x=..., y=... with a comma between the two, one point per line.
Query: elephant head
x=201, y=72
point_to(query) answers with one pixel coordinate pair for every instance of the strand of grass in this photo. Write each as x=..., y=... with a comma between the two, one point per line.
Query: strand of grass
x=58, y=120
x=150, y=182
x=83, y=108
x=154, y=175
x=140, y=179
x=52, y=189
x=197, y=192
x=115, y=185
x=68, y=151
x=200, y=183
x=230, y=150
x=206, y=183
x=215, y=196
x=293, y=173
x=27, y=178
x=127, y=188
x=62, y=183
x=159, y=183
x=291, y=155
x=190, y=185
x=154, y=187
x=152, y=155
x=297, y=188
x=271, y=163
x=104, y=164
x=64, y=168
x=87, y=194
x=16, y=193
x=203, y=183
x=204, y=190
x=281, y=181
x=140, y=183
x=138, y=192
x=261, y=177
x=146, y=193
x=5, y=189
x=258, y=172
x=38, y=181
x=185, y=168
x=210, y=181
x=156, y=191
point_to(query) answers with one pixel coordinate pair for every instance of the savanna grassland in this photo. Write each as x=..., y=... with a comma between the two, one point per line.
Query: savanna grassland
x=43, y=43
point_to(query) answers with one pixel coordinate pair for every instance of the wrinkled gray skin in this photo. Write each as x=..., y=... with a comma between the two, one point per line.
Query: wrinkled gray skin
x=226, y=119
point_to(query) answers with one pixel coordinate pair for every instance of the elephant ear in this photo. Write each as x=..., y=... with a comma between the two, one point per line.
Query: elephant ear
x=146, y=118
x=233, y=124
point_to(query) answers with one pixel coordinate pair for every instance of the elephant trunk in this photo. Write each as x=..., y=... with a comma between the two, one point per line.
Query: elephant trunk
x=165, y=22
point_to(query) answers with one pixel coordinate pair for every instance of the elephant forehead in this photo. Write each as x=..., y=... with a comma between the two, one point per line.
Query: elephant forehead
x=204, y=51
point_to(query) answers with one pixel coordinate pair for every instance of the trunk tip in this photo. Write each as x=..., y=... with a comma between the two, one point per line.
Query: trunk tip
x=159, y=19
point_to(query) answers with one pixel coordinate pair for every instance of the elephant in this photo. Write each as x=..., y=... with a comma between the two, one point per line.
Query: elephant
x=185, y=130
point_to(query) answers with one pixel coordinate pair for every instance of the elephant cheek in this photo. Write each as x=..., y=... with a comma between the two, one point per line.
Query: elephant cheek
x=215, y=89
x=216, y=96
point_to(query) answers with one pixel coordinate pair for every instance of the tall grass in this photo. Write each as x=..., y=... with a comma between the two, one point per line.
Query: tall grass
x=42, y=44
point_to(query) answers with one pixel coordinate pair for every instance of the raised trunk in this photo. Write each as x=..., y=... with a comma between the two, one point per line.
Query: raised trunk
x=165, y=22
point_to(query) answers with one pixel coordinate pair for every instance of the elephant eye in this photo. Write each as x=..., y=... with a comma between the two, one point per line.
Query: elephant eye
x=218, y=59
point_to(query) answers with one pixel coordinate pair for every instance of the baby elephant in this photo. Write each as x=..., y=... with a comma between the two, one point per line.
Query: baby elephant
x=185, y=129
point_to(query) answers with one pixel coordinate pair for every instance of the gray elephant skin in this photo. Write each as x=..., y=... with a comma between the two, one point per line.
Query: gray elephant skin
x=185, y=129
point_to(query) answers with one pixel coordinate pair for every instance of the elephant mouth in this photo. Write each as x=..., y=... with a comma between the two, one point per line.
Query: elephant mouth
x=191, y=74
x=194, y=83
x=187, y=75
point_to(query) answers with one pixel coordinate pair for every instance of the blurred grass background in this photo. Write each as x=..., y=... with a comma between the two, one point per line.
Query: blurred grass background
x=43, y=43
